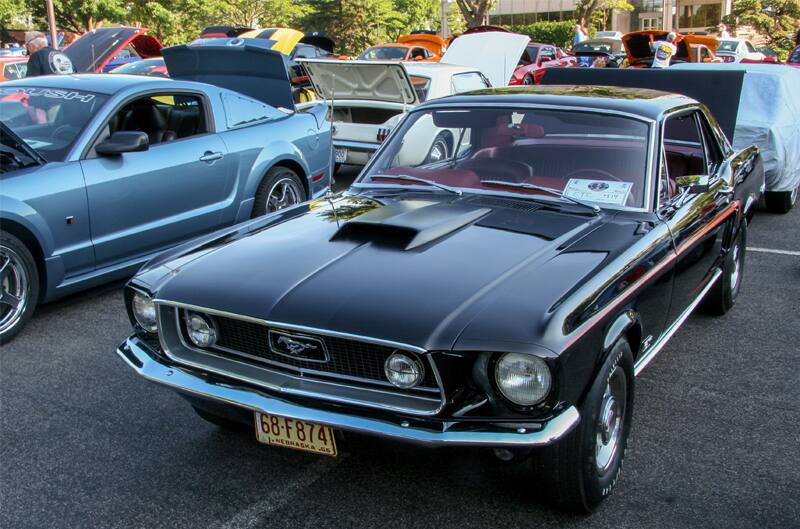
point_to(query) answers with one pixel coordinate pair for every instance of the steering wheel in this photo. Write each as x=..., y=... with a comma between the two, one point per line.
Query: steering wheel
x=66, y=132
x=606, y=175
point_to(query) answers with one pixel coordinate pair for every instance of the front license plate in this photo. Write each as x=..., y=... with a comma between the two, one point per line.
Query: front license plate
x=341, y=155
x=291, y=433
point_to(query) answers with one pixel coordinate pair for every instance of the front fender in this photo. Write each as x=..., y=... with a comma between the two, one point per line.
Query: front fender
x=21, y=213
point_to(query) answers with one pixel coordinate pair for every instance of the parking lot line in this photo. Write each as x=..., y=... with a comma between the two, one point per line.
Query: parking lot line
x=773, y=250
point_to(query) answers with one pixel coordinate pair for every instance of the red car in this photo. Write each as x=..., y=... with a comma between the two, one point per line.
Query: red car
x=534, y=61
x=794, y=57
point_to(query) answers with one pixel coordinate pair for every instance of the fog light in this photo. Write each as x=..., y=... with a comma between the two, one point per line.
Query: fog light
x=403, y=371
x=522, y=379
x=202, y=331
x=144, y=310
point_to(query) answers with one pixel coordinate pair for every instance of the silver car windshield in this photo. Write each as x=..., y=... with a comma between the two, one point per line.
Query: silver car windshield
x=590, y=157
x=49, y=120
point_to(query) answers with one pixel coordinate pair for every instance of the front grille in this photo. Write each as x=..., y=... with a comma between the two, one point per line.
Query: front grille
x=249, y=341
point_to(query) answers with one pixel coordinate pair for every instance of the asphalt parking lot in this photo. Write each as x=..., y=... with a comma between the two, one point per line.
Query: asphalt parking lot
x=86, y=443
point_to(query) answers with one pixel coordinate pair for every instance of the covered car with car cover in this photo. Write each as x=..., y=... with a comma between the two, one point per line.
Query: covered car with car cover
x=101, y=172
x=502, y=297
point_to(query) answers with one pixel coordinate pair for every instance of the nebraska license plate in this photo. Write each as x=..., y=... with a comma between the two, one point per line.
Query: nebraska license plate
x=341, y=155
x=291, y=433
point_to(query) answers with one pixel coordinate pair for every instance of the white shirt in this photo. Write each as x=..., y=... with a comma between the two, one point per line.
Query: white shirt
x=662, y=53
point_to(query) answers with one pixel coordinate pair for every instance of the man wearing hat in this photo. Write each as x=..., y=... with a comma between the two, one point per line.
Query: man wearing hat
x=44, y=59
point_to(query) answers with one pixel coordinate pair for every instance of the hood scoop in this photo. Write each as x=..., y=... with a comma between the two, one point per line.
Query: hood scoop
x=409, y=224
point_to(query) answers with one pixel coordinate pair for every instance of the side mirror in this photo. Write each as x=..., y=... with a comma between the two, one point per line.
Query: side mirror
x=122, y=142
x=693, y=184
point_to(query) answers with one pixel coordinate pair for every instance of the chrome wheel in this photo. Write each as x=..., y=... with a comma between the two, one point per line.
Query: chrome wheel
x=284, y=193
x=14, y=288
x=439, y=151
x=527, y=80
x=736, y=267
x=610, y=422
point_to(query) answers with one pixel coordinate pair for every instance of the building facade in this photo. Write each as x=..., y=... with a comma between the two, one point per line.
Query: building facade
x=683, y=15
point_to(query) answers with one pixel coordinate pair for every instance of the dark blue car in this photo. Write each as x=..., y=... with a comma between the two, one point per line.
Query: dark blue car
x=98, y=173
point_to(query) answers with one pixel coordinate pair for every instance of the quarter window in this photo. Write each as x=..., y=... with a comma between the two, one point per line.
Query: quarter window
x=465, y=82
x=241, y=110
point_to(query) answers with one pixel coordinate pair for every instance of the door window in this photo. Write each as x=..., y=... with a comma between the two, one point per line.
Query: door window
x=163, y=117
x=684, y=150
x=547, y=54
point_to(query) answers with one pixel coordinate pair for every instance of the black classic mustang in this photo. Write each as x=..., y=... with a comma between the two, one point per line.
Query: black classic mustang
x=504, y=296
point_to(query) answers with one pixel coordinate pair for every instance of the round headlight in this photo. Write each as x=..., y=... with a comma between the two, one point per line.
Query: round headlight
x=403, y=371
x=522, y=379
x=202, y=331
x=144, y=310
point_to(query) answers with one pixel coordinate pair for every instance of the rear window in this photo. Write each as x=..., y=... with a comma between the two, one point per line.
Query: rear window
x=384, y=53
x=727, y=45
x=466, y=82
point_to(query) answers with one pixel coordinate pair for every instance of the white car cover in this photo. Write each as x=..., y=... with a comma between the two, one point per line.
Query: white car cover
x=494, y=53
x=769, y=116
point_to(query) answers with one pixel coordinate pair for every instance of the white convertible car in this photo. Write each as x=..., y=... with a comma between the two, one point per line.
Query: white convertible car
x=368, y=98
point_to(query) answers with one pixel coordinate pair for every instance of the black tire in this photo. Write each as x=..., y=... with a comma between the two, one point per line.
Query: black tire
x=217, y=420
x=780, y=201
x=722, y=296
x=528, y=80
x=19, y=286
x=276, y=176
x=441, y=148
x=569, y=473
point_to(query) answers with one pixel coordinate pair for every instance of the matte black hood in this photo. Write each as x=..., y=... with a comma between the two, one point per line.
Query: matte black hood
x=412, y=271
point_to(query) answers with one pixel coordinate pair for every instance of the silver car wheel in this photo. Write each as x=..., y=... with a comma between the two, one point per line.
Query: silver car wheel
x=14, y=288
x=284, y=193
x=610, y=422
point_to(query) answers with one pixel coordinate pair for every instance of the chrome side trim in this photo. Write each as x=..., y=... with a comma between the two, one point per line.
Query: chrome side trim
x=357, y=145
x=292, y=327
x=138, y=358
x=651, y=353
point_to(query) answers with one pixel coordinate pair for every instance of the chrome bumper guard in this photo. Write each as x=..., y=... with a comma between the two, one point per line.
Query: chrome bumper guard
x=146, y=364
x=361, y=146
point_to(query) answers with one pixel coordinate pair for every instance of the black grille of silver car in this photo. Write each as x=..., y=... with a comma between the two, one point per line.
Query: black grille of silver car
x=248, y=341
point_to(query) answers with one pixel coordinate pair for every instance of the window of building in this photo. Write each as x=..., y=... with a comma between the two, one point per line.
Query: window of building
x=700, y=15
x=650, y=23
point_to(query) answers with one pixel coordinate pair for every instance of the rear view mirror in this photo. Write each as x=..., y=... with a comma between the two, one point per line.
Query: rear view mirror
x=122, y=142
x=693, y=184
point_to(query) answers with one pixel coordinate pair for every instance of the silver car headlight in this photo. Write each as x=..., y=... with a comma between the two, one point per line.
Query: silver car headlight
x=144, y=310
x=523, y=379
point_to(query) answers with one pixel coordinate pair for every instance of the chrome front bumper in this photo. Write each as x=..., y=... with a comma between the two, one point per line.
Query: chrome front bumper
x=139, y=357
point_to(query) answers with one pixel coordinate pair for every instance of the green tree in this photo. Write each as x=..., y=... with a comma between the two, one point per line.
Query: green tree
x=475, y=12
x=775, y=20
x=265, y=13
x=592, y=13
x=175, y=21
x=419, y=14
x=355, y=24
x=79, y=15
x=11, y=13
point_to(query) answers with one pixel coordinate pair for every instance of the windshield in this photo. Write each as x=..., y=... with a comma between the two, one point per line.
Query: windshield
x=602, y=47
x=153, y=67
x=384, y=53
x=49, y=120
x=727, y=45
x=589, y=156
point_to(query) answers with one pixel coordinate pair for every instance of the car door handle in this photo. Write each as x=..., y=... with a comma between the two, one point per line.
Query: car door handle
x=209, y=156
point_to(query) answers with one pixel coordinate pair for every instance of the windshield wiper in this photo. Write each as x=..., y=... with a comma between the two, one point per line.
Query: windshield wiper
x=552, y=191
x=409, y=178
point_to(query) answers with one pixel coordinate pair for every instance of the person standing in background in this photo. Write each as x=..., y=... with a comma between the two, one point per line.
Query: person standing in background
x=663, y=50
x=580, y=35
x=723, y=31
x=43, y=59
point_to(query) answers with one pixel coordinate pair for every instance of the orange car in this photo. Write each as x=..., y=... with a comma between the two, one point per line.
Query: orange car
x=691, y=47
x=14, y=67
x=414, y=47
